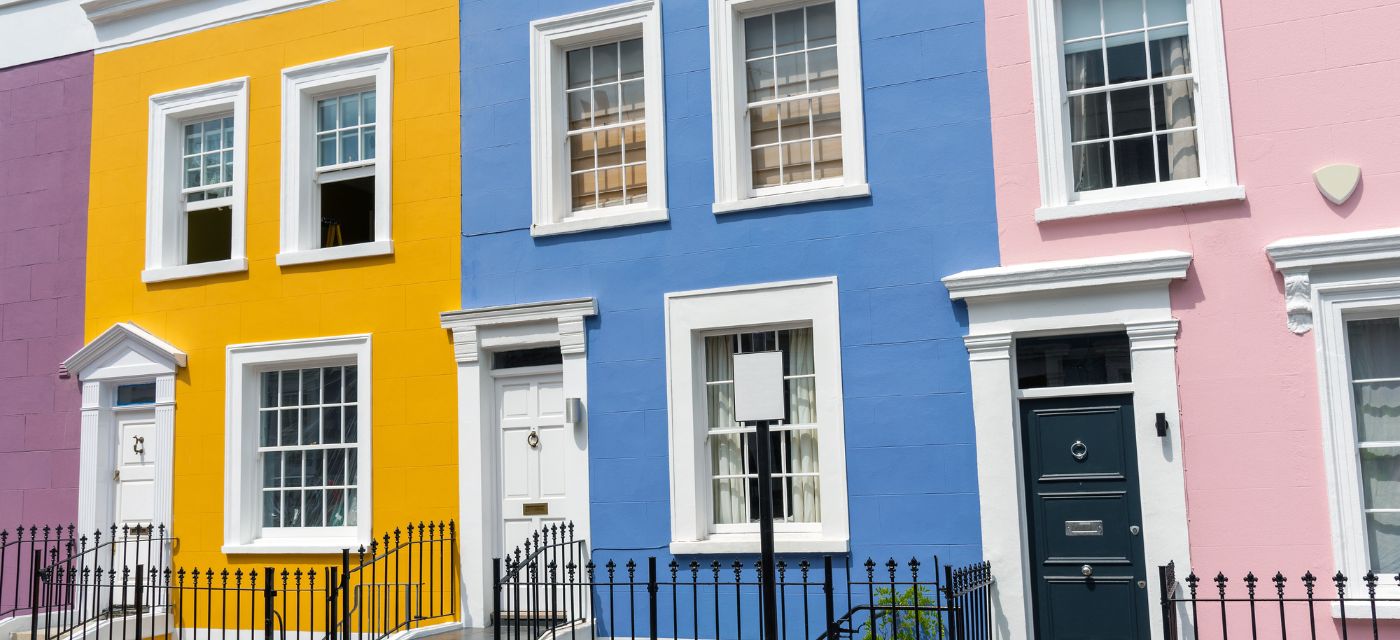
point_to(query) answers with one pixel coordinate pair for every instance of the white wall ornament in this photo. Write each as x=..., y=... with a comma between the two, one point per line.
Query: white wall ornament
x=1337, y=182
x=1297, y=258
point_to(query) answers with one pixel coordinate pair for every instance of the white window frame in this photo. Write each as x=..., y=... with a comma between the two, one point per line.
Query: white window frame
x=242, y=482
x=1214, y=135
x=301, y=87
x=550, y=38
x=165, y=206
x=692, y=315
x=733, y=174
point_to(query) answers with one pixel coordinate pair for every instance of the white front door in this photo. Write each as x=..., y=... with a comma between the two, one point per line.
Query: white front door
x=135, y=470
x=538, y=451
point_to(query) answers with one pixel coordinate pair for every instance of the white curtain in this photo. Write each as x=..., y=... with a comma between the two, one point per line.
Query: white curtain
x=1173, y=55
x=1090, y=170
x=804, y=491
x=726, y=450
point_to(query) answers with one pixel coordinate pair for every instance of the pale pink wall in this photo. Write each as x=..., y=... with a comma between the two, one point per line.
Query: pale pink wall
x=1312, y=82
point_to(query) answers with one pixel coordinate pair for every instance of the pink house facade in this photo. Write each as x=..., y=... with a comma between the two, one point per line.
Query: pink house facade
x=1188, y=250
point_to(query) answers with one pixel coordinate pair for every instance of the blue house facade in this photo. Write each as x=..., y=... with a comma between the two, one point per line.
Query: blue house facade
x=651, y=187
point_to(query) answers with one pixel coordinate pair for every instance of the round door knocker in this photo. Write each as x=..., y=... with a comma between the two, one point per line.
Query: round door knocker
x=1079, y=450
x=533, y=440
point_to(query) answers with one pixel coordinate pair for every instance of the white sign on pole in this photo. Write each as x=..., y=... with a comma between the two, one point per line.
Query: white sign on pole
x=758, y=386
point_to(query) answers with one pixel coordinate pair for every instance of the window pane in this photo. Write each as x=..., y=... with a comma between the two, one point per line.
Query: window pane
x=269, y=428
x=325, y=149
x=826, y=115
x=634, y=141
x=1127, y=58
x=192, y=174
x=311, y=386
x=580, y=108
x=1062, y=361
x=1177, y=157
x=827, y=158
x=367, y=137
x=315, y=470
x=289, y=428
x=1374, y=348
x=272, y=509
x=605, y=63
x=1383, y=540
x=821, y=69
x=788, y=30
x=139, y=393
x=797, y=162
x=1092, y=167
x=213, y=136
x=1377, y=411
x=272, y=470
x=1084, y=69
x=605, y=105
x=194, y=138
x=791, y=72
x=1173, y=105
x=291, y=505
x=758, y=36
x=351, y=382
x=801, y=401
x=719, y=403
x=1380, y=477
x=349, y=110
x=310, y=426
x=821, y=25
x=630, y=52
x=1134, y=161
x=1080, y=18
x=636, y=183
x=351, y=416
x=330, y=425
x=1165, y=11
x=760, y=74
x=634, y=106
x=326, y=115
x=335, y=467
x=1169, y=51
x=1122, y=15
x=291, y=469
x=578, y=70
x=1088, y=117
x=351, y=462
x=313, y=509
x=609, y=187
x=584, y=189
x=269, y=385
x=581, y=151
x=370, y=112
x=1132, y=111
x=795, y=121
x=335, y=507
x=765, y=167
x=351, y=505
x=330, y=384
x=609, y=147
x=350, y=145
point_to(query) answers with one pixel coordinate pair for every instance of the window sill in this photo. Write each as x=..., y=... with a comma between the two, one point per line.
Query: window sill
x=796, y=197
x=1140, y=203
x=162, y=274
x=293, y=546
x=308, y=256
x=1358, y=610
x=748, y=543
x=605, y=221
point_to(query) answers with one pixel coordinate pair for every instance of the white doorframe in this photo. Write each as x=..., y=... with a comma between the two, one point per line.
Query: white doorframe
x=122, y=354
x=475, y=334
x=1114, y=293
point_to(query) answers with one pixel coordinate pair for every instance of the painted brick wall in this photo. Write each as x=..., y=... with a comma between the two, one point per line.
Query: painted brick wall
x=1310, y=84
x=909, y=435
x=45, y=121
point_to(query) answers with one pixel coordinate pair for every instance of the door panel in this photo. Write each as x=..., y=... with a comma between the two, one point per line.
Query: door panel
x=135, y=458
x=537, y=448
x=1085, y=515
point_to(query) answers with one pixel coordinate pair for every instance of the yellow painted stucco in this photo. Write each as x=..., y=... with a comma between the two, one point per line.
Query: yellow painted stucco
x=395, y=298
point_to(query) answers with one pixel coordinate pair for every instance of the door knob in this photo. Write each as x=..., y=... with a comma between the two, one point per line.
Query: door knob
x=1086, y=570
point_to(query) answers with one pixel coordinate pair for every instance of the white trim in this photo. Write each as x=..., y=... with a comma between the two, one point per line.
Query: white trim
x=550, y=38
x=165, y=210
x=729, y=108
x=475, y=331
x=731, y=544
x=242, y=506
x=122, y=354
x=124, y=23
x=689, y=314
x=1214, y=133
x=1297, y=257
x=1030, y=301
x=1065, y=274
x=301, y=86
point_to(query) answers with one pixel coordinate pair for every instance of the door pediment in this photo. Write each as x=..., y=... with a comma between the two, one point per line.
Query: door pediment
x=123, y=351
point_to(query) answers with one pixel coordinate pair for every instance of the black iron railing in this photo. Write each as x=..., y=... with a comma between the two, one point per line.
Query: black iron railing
x=550, y=588
x=1277, y=606
x=402, y=580
x=26, y=552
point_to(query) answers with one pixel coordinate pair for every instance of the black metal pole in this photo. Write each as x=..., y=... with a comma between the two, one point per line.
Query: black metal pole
x=765, y=532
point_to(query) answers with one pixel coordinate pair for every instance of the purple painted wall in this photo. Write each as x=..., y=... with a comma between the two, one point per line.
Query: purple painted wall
x=45, y=132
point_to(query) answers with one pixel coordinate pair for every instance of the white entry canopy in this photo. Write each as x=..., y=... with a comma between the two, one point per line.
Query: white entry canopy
x=123, y=350
x=758, y=386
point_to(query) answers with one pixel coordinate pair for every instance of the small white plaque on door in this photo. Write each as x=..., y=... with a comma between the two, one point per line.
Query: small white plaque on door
x=758, y=386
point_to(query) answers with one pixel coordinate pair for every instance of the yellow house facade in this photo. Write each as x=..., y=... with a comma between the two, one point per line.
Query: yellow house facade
x=273, y=231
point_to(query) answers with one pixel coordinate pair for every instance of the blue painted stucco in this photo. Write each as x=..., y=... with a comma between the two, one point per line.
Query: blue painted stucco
x=909, y=431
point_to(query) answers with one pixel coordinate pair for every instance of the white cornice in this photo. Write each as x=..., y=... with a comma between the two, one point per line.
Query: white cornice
x=104, y=11
x=124, y=23
x=1296, y=257
x=1065, y=274
x=567, y=315
x=118, y=334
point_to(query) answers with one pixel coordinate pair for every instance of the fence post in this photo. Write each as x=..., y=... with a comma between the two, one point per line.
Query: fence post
x=496, y=598
x=332, y=583
x=651, y=593
x=269, y=597
x=828, y=590
x=140, y=587
x=34, y=570
x=345, y=593
x=1168, y=611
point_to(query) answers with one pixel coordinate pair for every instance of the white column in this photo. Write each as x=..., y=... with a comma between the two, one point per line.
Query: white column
x=999, y=483
x=89, y=478
x=475, y=522
x=165, y=451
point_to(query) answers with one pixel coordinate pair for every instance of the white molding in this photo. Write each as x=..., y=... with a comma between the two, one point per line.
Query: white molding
x=729, y=108
x=1215, y=137
x=165, y=210
x=1000, y=309
x=124, y=333
x=165, y=274
x=550, y=38
x=813, y=302
x=474, y=332
x=1065, y=274
x=124, y=23
x=732, y=544
x=1297, y=257
x=1163, y=199
x=301, y=86
x=242, y=506
x=822, y=194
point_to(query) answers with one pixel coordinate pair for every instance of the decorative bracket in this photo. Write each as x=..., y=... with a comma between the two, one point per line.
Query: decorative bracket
x=1297, y=300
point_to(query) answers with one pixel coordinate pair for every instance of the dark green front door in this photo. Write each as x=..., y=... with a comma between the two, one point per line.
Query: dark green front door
x=1089, y=576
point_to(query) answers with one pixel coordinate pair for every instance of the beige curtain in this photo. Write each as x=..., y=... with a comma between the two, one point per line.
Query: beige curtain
x=1090, y=171
x=1174, y=56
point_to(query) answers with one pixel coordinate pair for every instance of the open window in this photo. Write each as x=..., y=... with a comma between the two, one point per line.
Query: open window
x=336, y=165
x=196, y=182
